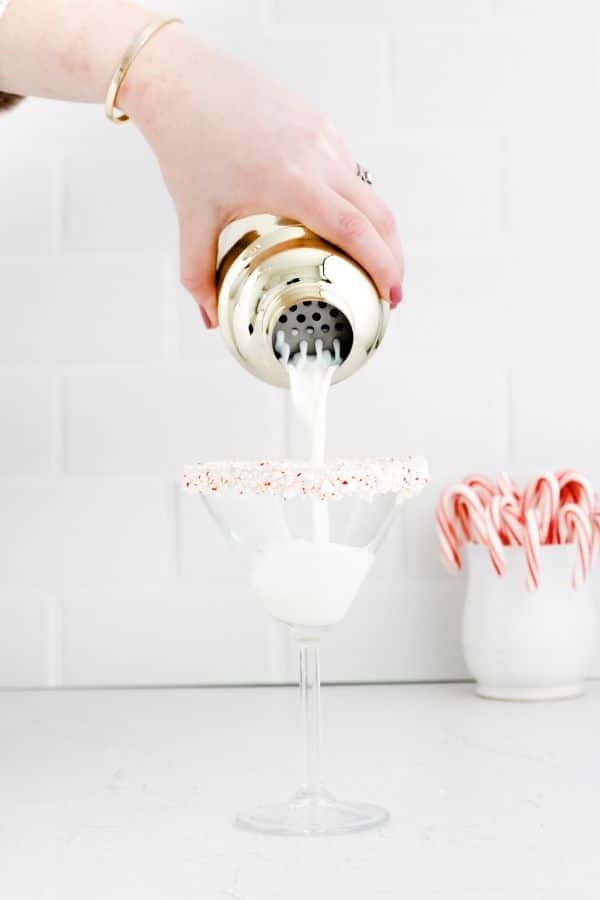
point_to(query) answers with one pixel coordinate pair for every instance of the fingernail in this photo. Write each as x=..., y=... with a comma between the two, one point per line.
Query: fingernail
x=205, y=317
x=395, y=295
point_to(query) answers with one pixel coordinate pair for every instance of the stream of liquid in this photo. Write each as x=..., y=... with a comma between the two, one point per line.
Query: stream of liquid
x=310, y=378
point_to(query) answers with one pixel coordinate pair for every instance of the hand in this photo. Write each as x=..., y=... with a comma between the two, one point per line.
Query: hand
x=231, y=143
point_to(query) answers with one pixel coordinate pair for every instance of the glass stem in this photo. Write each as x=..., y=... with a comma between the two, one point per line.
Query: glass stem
x=310, y=700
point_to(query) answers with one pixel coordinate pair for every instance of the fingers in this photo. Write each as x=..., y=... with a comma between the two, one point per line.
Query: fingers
x=342, y=222
x=198, y=263
x=363, y=197
x=379, y=214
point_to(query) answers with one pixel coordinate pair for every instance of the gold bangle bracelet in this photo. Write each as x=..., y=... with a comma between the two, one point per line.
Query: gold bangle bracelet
x=139, y=41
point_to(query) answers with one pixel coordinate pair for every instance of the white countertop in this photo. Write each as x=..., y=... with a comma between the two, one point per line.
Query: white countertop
x=130, y=794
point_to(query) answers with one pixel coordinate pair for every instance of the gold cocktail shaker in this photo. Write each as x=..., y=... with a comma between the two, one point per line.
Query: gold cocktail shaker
x=275, y=275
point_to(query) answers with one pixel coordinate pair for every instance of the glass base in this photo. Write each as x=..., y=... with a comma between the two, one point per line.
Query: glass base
x=313, y=813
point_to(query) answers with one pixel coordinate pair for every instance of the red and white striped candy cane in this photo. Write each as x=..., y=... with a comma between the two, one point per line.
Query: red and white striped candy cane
x=553, y=509
x=508, y=488
x=511, y=501
x=484, y=490
x=495, y=548
x=543, y=496
x=454, y=523
x=482, y=486
x=532, y=550
x=448, y=539
x=575, y=488
x=464, y=503
x=514, y=524
x=505, y=520
x=494, y=514
x=574, y=526
x=479, y=525
x=461, y=514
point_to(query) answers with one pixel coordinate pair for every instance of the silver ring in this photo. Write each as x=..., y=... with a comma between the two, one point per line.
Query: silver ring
x=364, y=174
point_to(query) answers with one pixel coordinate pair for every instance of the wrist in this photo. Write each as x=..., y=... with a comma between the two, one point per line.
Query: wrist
x=151, y=84
x=65, y=49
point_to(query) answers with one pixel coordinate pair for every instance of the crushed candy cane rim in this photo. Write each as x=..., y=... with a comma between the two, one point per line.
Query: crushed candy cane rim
x=293, y=478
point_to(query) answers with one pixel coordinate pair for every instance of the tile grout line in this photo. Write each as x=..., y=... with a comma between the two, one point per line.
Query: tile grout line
x=234, y=685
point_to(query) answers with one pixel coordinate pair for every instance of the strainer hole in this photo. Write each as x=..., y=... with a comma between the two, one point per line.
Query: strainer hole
x=339, y=326
x=307, y=303
x=316, y=317
x=321, y=304
x=310, y=330
x=301, y=318
x=293, y=308
x=334, y=313
x=283, y=319
x=325, y=328
x=294, y=331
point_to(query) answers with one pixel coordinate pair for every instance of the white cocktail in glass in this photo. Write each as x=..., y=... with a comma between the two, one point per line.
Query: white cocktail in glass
x=309, y=534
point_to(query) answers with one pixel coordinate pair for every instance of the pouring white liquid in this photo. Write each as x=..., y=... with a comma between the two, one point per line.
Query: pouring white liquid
x=310, y=378
x=301, y=582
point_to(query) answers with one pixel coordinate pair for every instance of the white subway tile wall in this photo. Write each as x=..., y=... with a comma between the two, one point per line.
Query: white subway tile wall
x=480, y=121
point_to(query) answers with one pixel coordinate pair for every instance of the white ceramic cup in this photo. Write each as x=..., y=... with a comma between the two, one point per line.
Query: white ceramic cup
x=527, y=645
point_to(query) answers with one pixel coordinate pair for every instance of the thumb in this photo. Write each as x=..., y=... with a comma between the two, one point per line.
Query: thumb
x=198, y=261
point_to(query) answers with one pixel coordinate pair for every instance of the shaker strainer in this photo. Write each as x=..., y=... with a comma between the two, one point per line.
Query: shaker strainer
x=279, y=285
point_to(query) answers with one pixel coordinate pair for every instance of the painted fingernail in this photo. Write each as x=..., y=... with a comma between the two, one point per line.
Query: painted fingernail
x=395, y=295
x=205, y=317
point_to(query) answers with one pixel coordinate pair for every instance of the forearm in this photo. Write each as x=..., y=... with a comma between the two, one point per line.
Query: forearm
x=65, y=49
x=229, y=142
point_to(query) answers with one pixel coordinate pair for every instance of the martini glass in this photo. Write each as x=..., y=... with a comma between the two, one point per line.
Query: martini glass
x=309, y=536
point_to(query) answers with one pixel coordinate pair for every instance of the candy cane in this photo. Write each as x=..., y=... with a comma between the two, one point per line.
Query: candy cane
x=513, y=523
x=532, y=550
x=464, y=498
x=448, y=540
x=508, y=488
x=543, y=495
x=554, y=508
x=479, y=526
x=454, y=504
x=494, y=513
x=461, y=512
x=574, y=526
x=505, y=518
x=482, y=487
x=494, y=545
x=576, y=488
x=494, y=537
